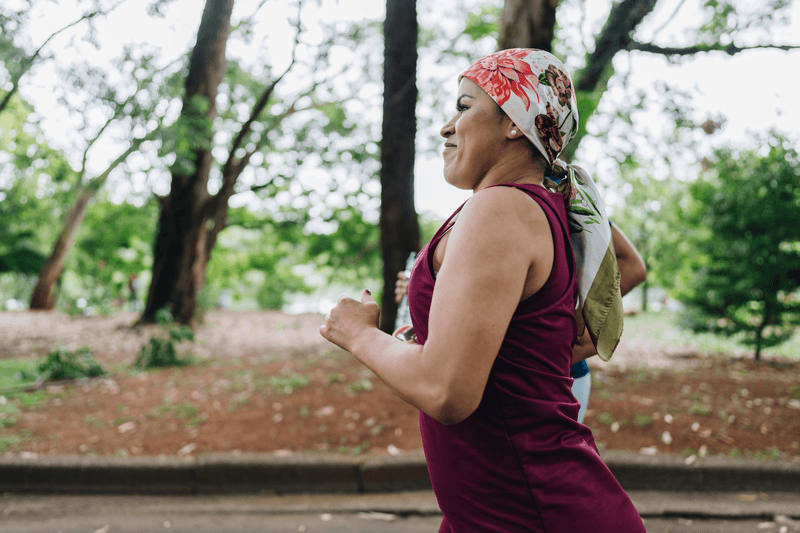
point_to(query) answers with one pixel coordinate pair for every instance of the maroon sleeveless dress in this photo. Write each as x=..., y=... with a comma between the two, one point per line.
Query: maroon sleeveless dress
x=521, y=461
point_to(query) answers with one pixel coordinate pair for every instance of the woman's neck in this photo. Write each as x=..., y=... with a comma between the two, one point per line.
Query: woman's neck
x=514, y=170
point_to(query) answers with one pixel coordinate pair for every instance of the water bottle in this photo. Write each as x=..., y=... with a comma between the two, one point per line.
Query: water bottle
x=403, y=313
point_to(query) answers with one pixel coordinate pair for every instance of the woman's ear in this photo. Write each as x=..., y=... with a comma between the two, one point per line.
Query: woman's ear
x=514, y=132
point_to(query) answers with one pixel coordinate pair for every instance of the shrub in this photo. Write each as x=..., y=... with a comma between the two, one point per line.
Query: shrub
x=64, y=364
x=161, y=351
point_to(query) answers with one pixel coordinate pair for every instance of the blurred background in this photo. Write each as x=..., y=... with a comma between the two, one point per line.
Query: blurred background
x=165, y=154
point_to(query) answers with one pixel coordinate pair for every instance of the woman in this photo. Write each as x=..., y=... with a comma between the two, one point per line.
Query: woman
x=492, y=301
x=632, y=272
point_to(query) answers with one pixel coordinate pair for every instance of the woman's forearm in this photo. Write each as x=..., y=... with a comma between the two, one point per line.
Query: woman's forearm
x=403, y=368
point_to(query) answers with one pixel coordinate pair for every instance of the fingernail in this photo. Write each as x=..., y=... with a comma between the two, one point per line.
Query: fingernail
x=368, y=292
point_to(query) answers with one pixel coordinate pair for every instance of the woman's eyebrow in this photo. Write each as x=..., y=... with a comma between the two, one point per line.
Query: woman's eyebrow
x=458, y=101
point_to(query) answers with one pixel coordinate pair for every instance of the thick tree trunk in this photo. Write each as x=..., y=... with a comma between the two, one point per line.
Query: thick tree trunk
x=527, y=24
x=44, y=294
x=180, y=250
x=398, y=222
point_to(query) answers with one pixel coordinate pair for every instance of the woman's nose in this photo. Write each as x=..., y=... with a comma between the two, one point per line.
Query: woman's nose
x=448, y=129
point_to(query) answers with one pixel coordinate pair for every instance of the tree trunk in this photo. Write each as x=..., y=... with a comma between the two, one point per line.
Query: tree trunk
x=44, y=295
x=180, y=250
x=398, y=221
x=527, y=24
x=645, y=304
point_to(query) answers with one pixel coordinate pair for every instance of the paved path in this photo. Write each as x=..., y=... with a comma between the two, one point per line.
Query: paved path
x=408, y=512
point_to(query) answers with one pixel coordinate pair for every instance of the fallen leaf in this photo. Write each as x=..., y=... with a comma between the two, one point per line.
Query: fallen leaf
x=384, y=517
x=127, y=426
x=189, y=448
x=328, y=410
x=726, y=439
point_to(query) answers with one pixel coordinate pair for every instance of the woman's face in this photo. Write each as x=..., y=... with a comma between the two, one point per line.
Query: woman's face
x=473, y=137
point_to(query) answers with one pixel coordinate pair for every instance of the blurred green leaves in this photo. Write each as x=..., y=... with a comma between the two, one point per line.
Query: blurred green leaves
x=747, y=272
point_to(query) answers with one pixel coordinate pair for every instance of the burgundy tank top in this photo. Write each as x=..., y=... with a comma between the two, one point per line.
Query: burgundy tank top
x=521, y=461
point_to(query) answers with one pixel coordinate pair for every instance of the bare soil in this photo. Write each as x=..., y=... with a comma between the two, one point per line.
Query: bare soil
x=268, y=382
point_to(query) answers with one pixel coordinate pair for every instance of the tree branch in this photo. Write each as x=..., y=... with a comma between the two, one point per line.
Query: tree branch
x=262, y=102
x=97, y=182
x=32, y=59
x=730, y=49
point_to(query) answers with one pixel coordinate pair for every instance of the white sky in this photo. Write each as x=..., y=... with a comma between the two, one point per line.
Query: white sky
x=754, y=90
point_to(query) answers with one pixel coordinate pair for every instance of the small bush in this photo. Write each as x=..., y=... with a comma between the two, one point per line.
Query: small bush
x=161, y=351
x=64, y=364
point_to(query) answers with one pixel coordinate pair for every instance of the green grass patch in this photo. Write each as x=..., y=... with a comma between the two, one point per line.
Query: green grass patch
x=768, y=454
x=698, y=409
x=663, y=327
x=606, y=418
x=642, y=421
x=9, y=443
x=14, y=372
x=97, y=423
x=288, y=383
x=360, y=386
x=9, y=415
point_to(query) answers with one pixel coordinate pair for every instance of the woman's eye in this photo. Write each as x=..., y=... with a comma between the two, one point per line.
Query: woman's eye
x=461, y=107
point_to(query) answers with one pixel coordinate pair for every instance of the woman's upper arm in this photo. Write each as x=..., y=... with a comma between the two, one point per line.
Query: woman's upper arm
x=489, y=254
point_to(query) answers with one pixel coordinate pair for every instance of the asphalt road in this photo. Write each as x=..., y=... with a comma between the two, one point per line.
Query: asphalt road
x=397, y=513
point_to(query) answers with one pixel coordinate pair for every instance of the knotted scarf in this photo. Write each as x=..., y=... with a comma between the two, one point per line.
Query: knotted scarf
x=535, y=90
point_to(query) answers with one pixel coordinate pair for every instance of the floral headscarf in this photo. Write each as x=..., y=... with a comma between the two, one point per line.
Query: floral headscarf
x=535, y=90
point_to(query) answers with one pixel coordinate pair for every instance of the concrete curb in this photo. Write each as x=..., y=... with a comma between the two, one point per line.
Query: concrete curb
x=267, y=473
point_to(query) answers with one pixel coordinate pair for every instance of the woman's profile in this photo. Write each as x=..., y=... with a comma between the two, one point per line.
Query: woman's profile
x=498, y=297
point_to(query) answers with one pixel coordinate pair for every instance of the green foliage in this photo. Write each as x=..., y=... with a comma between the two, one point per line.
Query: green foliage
x=161, y=351
x=257, y=254
x=748, y=274
x=64, y=364
x=102, y=262
x=483, y=22
x=33, y=178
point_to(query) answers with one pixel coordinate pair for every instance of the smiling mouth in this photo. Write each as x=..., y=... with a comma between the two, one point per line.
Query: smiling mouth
x=448, y=145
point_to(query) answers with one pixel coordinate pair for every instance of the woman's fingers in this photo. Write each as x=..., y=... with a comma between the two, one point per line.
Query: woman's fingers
x=350, y=317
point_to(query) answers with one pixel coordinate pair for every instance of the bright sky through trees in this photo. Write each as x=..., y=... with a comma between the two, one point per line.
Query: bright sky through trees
x=753, y=91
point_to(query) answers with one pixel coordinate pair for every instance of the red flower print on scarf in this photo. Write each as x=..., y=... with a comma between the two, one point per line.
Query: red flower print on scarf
x=502, y=73
x=559, y=81
x=549, y=133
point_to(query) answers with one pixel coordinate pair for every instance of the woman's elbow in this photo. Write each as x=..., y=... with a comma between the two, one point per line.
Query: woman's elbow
x=451, y=408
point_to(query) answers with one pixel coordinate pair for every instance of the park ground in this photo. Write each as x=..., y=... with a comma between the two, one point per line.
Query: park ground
x=268, y=382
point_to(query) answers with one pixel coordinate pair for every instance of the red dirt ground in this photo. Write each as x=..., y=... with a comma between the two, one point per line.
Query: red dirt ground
x=266, y=382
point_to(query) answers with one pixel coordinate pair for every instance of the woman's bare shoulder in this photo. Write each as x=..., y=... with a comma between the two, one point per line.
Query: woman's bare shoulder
x=507, y=206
